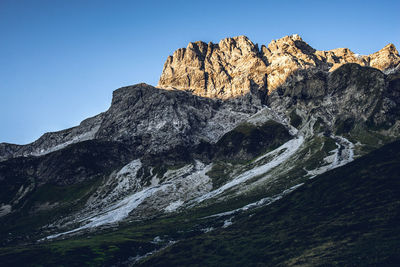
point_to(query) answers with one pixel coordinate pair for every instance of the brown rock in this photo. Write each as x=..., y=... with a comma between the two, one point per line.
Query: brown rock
x=286, y=56
x=235, y=66
x=385, y=59
x=230, y=68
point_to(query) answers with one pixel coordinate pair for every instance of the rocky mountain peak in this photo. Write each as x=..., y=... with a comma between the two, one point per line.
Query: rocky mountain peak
x=385, y=59
x=292, y=44
x=391, y=48
x=231, y=68
x=236, y=66
x=284, y=57
x=236, y=44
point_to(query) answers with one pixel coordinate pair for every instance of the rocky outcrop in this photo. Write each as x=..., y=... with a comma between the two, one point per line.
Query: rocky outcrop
x=149, y=120
x=155, y=121
x=53, y=141
x=352, y=100
x=231, y=68
x=385, y=59
x=235, y=66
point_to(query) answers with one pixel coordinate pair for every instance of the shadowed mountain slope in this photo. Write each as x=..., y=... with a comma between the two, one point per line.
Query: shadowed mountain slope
x=348, y=216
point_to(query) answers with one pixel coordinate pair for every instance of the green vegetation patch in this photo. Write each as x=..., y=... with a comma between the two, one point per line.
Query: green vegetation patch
x=369, y=139
x=295, y=120
x=344, y=126
x=45, y=204
x=248, y=141
x=220, y=173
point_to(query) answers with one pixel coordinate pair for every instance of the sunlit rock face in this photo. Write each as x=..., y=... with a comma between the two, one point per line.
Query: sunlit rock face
x=236, y=66
x=231, y=68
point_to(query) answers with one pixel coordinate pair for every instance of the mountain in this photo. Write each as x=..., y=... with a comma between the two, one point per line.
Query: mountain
x=236, y=66
x=235, y=139
x=149, y=119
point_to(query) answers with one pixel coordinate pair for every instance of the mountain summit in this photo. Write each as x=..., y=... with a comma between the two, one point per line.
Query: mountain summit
x=248, y=162
x=236, y=66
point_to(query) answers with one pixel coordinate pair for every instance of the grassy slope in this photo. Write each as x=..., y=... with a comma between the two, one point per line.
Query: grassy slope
x=348, y=216
x=60, y=182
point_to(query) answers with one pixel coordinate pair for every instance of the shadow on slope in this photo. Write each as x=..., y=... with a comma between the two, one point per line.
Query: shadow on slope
x=42, y=189
x=346, y=216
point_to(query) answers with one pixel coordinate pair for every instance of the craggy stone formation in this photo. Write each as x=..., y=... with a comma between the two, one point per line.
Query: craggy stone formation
x=158, y=151
x=154, y=121
x=236, y=66
x=150, y=120
x=362, y=97
x=231, y=68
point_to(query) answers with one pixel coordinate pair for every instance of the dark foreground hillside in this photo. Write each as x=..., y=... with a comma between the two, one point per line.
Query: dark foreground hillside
x=348, y=216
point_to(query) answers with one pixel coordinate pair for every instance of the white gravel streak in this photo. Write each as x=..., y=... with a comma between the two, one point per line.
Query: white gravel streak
x=191, y=185
x=260, y=203
x=289, y=148
x=343, y=154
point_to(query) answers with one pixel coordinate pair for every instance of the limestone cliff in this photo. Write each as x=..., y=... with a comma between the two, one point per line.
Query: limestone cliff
x=231, y=68
x=236, y=66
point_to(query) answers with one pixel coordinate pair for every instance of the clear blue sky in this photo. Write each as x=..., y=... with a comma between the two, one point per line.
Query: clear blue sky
x=61, y=60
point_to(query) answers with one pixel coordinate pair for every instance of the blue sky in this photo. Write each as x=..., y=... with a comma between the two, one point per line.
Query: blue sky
x=61, y=60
